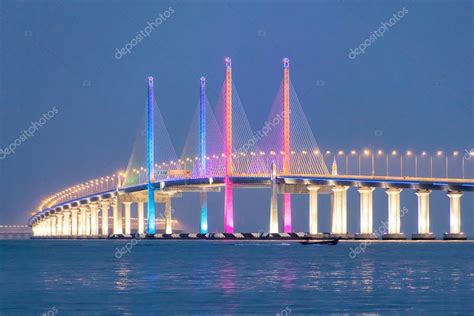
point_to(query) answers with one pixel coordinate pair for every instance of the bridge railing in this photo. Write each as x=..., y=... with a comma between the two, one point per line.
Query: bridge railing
x=365, y=162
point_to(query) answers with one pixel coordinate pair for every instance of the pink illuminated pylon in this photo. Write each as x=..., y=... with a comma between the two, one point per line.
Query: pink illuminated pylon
x=286, y=143
x=228, y=199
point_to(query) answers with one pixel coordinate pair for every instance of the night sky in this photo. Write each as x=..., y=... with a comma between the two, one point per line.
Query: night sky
x=411, y=89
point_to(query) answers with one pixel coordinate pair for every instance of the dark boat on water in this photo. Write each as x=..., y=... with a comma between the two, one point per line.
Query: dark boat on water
x=333, y=241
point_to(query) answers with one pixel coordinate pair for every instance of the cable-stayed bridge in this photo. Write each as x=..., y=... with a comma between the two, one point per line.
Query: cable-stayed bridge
x=223, y=153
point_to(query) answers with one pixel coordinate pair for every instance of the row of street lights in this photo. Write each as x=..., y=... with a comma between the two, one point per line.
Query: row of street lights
x=394, y=153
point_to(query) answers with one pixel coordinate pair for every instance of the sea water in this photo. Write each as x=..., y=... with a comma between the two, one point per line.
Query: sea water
x=144, y=277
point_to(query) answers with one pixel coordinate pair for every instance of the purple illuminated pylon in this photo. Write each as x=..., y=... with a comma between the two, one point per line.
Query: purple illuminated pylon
x=202, y=151
x=228, y=195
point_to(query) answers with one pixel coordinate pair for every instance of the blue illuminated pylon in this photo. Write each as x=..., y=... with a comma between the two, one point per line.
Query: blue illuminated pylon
x=202, y=151
x=151, y=225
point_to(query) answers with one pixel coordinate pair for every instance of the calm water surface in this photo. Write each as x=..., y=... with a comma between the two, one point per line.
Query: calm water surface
x=203, y=277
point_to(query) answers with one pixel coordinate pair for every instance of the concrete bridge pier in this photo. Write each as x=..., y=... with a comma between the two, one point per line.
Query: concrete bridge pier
x=74, y=223
x=48, y=227
x=66, y=223
x=94, y=219
x=394, y=215
x=117, y=214
x=313, y=209
x=274, y=203
x=80, y=223
x=88, y=221
x=128, y=212
x=339, y=212
x=168, y=220
x=104, y=208
x=45, y=227
x=366, y=214
x=54, y=225
x=423, y=216
x=59, y=225
x=83, y=221
x=141, y=218
x=454, y=217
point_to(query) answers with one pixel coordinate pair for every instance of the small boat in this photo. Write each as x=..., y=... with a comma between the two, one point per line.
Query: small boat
x=333, y=241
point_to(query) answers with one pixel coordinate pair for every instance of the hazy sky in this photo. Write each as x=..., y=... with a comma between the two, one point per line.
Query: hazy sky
x=411, y=89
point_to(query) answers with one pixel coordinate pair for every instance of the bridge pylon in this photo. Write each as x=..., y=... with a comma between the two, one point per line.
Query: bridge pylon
x=228, y=199
x=287, y=227
x=151, y=216
x=202, y=152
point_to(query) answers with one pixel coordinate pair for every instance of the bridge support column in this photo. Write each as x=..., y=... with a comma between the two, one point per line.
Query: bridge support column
x=54, y=225
x=42, y=226
x=74, y=224
x=80, y=223
x=274, y=211
x=66, y=223
x=228, y=207
x=366, y=214
x=454, y=217
x=394, y=215
x=141, y=218
x=83, y=221
x=287, y=227
x=339, y=212
x=88, y=221
x=47, y=227
x=313, y=209
x=104, y=207
x=59, y=225
x=168, y=223
x=128, y=211
x=94, y=219
x=117, y=210
x=423, y=216
x=203, y=202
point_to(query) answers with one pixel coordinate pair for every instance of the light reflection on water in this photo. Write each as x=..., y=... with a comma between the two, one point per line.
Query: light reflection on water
x=84, y=277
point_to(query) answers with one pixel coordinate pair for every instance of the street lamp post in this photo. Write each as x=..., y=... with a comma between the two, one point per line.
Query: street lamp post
x=446, y=166
x=359, y=165
x=416, y=166
x=431, y=166
x=401, y=165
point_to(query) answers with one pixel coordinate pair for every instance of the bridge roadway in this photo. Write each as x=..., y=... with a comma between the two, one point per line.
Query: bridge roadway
x=303, y=184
